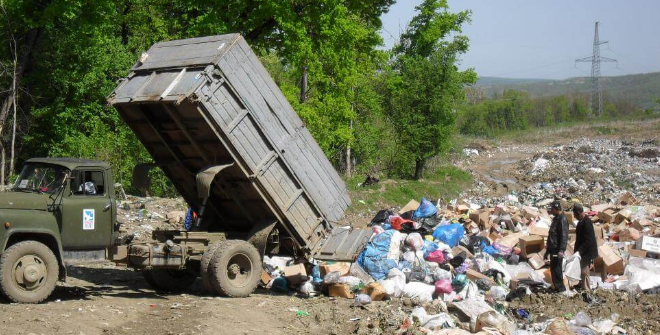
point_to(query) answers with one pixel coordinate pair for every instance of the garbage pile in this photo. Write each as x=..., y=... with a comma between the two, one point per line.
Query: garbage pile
x=140, y=216
x=594, y=170
x=470, y=262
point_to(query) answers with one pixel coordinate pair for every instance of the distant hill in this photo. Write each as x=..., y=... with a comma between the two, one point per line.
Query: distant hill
x=488, y=81
x=642, y=89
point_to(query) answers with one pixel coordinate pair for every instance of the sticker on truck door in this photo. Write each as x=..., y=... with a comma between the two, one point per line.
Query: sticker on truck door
x=88, y=219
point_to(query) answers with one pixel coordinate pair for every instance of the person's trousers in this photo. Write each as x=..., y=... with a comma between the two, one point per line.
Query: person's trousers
x=584, y=276
x=557, y=273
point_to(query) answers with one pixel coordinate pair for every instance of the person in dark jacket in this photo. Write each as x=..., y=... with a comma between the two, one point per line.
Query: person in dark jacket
x=556, y=245
x=585, y=244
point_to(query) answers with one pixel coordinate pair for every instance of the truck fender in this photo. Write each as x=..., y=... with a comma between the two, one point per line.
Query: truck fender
x=258, y=236
x=44, y=236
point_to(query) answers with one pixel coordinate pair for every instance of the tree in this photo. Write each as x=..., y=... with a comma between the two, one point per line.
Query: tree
x=427, y=87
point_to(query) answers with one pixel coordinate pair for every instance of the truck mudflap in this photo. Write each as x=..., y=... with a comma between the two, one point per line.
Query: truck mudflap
x=343, y=244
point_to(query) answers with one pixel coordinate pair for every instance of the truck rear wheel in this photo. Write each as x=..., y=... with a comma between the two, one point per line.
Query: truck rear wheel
x=235, y=268
x=205, y=269
x=28, y=272
x=168, y=280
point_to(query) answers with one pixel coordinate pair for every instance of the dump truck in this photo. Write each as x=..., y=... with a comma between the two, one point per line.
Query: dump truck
x=217, y=125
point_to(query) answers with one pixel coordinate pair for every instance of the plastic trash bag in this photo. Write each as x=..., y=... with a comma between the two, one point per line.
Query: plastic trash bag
x=449, y=234
x=395, y=283
x=439, y=274
x=436, y=257
x=443, y=286
x=379, y=257
x=582, y=319
x=484, y=284
x=459, y=282
x=362, y=299
x=307, y=288
x=421, y=291
x=350, y=281
x=426, y=209
x=415, y=241
x=432, y=321
x=491, y=250
x=316, y=275
x=498, y=293
x=332, y=277
x=573, y=270
x=280, y=285
x=429, y=247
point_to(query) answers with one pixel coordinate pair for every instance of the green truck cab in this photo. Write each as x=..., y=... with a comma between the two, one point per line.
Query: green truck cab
x=56, y=204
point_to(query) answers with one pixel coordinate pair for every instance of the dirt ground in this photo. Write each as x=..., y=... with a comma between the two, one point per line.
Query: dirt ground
x=99, y=298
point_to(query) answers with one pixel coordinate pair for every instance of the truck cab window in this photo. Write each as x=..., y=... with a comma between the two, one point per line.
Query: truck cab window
x=41, y=178
x=88, y=183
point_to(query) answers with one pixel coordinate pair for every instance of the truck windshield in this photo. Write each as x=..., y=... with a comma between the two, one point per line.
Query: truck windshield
x=41, y=178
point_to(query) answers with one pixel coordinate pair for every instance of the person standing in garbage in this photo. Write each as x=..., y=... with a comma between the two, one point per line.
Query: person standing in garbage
x=585, y=244
x=556, y=246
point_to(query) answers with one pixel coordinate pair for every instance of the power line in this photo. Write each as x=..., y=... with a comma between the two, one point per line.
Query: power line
x=595, y=59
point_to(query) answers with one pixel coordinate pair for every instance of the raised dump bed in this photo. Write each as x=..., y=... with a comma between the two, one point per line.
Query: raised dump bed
x=219, y=127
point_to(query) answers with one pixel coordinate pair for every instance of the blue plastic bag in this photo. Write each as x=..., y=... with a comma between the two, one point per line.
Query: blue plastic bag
x=449, y=234
x=426, y=209
x=374, y=257
x=429, y=247
x=316, y=275
x=489, y=249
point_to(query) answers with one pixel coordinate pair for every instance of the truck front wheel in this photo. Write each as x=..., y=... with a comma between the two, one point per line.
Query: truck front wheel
x=28, y=272
x=168, y=280
x=235, y=268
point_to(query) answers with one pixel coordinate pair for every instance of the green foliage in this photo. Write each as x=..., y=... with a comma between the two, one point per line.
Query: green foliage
x=85, y=47
x=425, y=86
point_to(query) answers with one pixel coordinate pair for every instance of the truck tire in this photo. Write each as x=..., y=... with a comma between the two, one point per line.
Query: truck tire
x=28, y=272
x=204, y=268
x=168, y=280
x=235, y=268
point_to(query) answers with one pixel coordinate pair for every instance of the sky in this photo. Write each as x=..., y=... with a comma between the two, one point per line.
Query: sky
x=542, y=38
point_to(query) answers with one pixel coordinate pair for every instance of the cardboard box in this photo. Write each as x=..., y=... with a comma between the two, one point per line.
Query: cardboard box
x=340, y=290
x=642, y=224
x=342, y=267
x=613, y=264
x=475, y=275
x=570, y=218
x=530, y=213
x=510, y=240
x=529, y=245
x=649, y=244
x=376, y=291
x=295, y=274
x=539, y=231
x=459, y=248
x=629, y=234
x=482, y=218
x=547, y=276
x=536, y=261
x=635, y=252
x=410, y=206
x=607, y=215
x=265, y=277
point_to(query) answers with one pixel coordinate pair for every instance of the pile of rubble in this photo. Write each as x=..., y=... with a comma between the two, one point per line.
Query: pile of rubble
x=467, y=263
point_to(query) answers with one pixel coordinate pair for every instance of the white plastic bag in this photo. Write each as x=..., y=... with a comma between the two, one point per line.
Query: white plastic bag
x=395, y=283
x=432, y=321
x=573, y=270
x=415, y=241
x=418, y=290
x=349, y=280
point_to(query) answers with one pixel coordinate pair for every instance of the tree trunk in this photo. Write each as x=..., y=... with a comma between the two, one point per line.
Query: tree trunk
x=2, y=164
x=303, y=85
x=348, y=154
x=12, y=156
x=31, y=40
x=419, y=168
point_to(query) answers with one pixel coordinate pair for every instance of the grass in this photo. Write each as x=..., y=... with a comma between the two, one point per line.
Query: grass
x=444, y=182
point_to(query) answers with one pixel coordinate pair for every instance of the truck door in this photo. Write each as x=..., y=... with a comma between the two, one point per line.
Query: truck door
x=87, y=211
x=343, y=244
